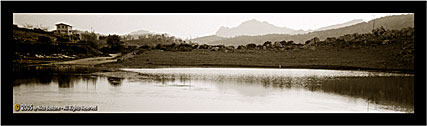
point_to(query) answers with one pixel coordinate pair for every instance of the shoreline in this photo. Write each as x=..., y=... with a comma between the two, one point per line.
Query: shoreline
x=197, y=59
x=323, y=67
x=116, y=66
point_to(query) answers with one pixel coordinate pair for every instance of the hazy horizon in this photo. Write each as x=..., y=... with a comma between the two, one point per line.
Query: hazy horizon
x=185, y=25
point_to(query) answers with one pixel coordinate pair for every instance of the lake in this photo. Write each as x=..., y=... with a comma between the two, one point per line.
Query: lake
x=216, y=90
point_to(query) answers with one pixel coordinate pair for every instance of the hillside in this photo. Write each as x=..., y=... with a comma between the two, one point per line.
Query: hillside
x=206, y=39
x=396, y=22
x=384, y=50
x=39, y=46
x=352, y=22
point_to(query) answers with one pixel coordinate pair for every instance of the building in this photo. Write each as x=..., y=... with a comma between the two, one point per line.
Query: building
x=62, y=28
x=75, y=35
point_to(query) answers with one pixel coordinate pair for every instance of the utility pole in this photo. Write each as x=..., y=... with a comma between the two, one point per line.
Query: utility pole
x=373, y=26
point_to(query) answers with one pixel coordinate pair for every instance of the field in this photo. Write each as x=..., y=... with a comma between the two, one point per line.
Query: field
x=382, y=58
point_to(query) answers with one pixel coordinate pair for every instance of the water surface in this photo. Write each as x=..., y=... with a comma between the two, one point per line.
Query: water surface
x=222, y=90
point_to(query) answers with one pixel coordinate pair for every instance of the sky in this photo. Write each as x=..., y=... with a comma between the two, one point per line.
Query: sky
x=185, y=25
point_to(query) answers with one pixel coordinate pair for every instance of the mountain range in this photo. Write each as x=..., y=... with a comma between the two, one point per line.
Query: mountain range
x=395, y=22
x=254, y=31
x=255, y=28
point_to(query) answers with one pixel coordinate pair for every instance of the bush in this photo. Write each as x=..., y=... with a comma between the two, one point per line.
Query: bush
x=251, y=46
x=114, y=43
x=44, y=39
x=241, y=47
x=145, y=47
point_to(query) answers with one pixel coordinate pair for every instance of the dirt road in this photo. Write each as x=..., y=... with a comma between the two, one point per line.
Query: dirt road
x=89, y=61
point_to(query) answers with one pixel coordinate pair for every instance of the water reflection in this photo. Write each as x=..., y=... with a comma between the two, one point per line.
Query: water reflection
x=378, y=88
x=64, y=81
x=258, y=86
x=115, y=81
x=398, y=91
x=63, y=76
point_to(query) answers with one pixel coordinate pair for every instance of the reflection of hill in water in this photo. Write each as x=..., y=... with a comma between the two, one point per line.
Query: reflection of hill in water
x=63, y=80
x=65, y=76
x=385, y=90
x=381, y=89
x=397, y=91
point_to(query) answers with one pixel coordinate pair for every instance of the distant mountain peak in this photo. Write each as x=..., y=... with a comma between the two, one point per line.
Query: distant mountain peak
x=253, y=27
x=250, y=22
x=254, y=22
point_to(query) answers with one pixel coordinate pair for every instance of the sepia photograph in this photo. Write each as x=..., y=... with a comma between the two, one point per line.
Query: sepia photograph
x=213, y=62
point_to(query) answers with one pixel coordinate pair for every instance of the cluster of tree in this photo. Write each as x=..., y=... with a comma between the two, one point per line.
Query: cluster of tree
x=185, y=47
x=153, y=39
x=38, y=28
x=400, y=41
x=279, y=45
x=272, y=46
x=378, y=36
x=31, y=28
x=114, y=44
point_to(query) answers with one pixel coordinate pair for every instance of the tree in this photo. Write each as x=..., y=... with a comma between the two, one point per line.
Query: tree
x=89, y=36
x=267, y=44
x=251, y=46
x=44, y=39
x=241, y=47
x=40, y=27
x=114, y=42
x=28, y=26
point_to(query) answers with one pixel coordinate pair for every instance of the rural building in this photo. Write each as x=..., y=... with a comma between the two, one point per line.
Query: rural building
x=62, y=28
x=65, y=29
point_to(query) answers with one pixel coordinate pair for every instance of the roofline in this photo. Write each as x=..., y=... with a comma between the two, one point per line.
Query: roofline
x=63, y=24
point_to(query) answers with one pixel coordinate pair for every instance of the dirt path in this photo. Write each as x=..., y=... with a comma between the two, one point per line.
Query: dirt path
x=89, y=61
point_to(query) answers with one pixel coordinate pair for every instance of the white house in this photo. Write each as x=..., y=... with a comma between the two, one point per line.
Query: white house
x=62, y=28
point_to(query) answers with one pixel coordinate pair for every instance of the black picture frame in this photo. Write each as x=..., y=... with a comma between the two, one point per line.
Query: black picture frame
x=418, y=8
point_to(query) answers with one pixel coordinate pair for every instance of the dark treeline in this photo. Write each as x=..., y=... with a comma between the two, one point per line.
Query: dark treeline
x=393, y=47
x=152, y=39
x=377, y=37
x=42, y=44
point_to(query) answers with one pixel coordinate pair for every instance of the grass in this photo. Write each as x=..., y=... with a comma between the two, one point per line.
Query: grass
x=380, y=58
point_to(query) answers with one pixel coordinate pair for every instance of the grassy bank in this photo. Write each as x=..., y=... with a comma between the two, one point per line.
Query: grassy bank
x=381, y=58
